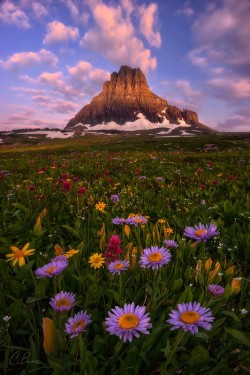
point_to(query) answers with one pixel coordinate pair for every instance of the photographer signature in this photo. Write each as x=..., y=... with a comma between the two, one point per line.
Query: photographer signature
x=18, y=358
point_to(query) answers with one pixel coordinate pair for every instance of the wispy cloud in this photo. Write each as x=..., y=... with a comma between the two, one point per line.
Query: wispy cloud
x=149, y=24
x=28, y=59
x=11, y=14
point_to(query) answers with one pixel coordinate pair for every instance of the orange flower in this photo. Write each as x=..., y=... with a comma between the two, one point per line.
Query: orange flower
x=49, y=336
x=235, y=285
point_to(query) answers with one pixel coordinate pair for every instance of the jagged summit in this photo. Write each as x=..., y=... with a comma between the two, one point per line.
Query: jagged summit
x=126, y=97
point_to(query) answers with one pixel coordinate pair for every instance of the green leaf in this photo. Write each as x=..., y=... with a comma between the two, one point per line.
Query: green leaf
x=240, y=336
x=232, y=315
x=199, y=356
x=72, y=231
x=177, y=285
x=186, y=296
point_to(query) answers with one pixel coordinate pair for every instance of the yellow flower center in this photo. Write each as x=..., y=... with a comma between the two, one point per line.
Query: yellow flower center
x=118, y=266
x=19, y=254
x=96, y=260
x=199, y=232
x=80, y=324
x=155, y=257
x=190, y=317
x=138, y=220
x=128, y=321
x=51, y=269
x=63, y=302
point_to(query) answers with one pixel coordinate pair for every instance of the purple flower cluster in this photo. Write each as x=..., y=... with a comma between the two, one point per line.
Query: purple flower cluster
x=54, y=267
x=76, y=325
x=170, y=244
x=115, y=198
x=155, y=257
x=128, y=322
x=190, y=316
x=216, y=290
x=201, y=232
x=62, y=301
x=136, y=220
x=117, y=266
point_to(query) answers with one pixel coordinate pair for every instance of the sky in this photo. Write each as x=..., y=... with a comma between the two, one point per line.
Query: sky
x=55, y=56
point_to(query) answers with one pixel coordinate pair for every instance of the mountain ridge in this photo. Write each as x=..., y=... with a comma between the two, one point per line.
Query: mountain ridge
x=127, y=96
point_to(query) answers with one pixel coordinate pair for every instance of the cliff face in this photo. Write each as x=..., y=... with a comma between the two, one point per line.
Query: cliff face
x=126, y=95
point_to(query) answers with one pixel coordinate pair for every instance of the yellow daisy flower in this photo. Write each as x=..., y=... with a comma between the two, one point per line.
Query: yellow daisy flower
x=18, y=255
x=96, y=260
x=71, y=252
x=161, y=221
x=100, y=206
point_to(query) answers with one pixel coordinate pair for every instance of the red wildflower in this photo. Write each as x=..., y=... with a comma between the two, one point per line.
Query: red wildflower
x=32, y=187
x=64, y=176
x=75, y=179
x=81, y=191
x=113, y=249
x=202, y=186
x=214, y=182
x=66, y=186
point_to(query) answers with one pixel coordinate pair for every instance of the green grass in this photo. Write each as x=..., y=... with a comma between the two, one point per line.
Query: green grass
x=169, y=180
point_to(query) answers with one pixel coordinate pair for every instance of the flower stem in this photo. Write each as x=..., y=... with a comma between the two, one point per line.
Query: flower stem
x=175, y=346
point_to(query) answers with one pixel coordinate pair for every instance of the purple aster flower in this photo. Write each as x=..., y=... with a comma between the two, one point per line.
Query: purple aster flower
x=59, y=258
x=190, y=316
x=136, y=220
x=115, y=198
x=117, y=266
x=62, y=301
x=159, y=179
x=202, y=232
x=76, y=325
x=170, y=243
x=155, y=257
x=119, y=221
x=216, y=290
x=51, y=269
x=142, y=177
x=128, y=322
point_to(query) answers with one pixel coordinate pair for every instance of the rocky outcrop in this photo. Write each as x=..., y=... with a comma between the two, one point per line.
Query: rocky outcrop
x=125, y=96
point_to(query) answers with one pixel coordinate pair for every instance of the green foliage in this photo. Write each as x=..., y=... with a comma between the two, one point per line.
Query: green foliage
x=37, y=209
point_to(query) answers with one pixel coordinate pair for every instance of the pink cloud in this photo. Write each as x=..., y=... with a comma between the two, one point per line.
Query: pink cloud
x=39, y=10
x=80, y=70
x=57, y=32
x=233, y=89
x=221, y=32
x=181, y=94
x=113, y=36
x=148, y=24
x=29, y=59
x=10, y=14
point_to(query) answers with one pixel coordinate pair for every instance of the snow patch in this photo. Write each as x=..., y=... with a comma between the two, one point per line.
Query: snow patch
x=50, y=134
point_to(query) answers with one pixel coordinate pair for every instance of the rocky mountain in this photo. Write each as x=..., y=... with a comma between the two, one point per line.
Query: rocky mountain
x=126, y=97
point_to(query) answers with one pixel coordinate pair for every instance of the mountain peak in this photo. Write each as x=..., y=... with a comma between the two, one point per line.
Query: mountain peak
x=126, y=97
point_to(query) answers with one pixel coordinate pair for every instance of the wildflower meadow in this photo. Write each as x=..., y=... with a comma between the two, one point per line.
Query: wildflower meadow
x=124, y=262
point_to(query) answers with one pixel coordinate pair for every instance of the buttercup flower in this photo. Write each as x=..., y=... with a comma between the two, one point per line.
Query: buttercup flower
x=190, y=316
x=202, y=232
x=155, y=257
x=53, y=268
x=216, y=290
x=76, y=325
x=100, y=206
x=118, y=266
x=170, y=243
x=62, y=301
x=96, y=260
x=128, y=322
x=70, y=253
x=18, y=255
